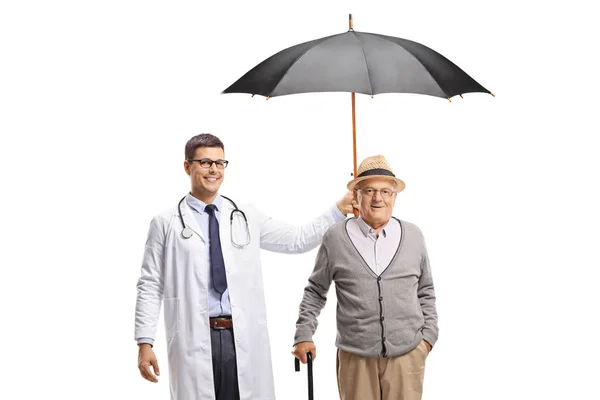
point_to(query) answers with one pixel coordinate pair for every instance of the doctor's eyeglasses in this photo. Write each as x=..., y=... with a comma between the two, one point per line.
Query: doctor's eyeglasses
x=207, y=163
x=370, y=192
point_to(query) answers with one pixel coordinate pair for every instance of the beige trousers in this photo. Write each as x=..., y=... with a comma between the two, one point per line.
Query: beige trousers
x=379, y=378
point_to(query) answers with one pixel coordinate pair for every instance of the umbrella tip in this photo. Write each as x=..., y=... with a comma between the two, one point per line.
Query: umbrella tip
x=461, y=96
x=449, y=99
x=252, y=96
x=493, y=95
x=350, y=21
x=371, y=96
x=268, y=97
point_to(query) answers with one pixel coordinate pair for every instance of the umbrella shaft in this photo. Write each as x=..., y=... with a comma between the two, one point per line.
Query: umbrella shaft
x=354, y=140
x=354, y=131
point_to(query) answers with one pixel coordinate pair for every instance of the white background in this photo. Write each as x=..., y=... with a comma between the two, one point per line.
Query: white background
x=97, y=100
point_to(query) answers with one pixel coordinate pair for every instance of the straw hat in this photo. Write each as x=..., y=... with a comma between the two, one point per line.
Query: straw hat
x=374, y=167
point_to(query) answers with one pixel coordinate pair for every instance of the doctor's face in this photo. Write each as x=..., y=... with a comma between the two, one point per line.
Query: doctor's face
x=206, y=181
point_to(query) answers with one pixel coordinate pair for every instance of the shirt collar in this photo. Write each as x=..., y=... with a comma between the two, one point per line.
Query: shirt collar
x=198, y=205
x=366, y=229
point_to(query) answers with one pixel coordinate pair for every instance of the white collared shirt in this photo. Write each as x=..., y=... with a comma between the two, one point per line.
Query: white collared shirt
x=376, y=251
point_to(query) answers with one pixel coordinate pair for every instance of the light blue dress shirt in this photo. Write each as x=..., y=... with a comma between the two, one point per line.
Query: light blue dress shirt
x=217, y=304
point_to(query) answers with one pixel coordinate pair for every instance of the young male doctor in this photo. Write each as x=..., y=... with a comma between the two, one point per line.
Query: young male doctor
x=202, y=260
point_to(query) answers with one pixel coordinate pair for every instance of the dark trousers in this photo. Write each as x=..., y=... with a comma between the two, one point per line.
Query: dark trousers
x=224, y=364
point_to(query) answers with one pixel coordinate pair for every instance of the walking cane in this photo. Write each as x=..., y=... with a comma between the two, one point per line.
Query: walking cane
x=310, y=373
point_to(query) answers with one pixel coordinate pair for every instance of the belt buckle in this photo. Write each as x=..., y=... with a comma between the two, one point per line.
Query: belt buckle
x=215, y=321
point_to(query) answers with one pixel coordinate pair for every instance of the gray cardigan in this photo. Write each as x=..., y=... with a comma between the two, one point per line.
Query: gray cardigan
x=377, y=316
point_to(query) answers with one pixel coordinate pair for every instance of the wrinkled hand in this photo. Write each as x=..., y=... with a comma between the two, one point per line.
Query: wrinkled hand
x=300, y=350
x=147, y=358
x=347, y=204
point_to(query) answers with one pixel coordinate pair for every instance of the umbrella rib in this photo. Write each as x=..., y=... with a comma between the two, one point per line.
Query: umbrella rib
x=317, y=42
x=366, y=63
x=413, y=56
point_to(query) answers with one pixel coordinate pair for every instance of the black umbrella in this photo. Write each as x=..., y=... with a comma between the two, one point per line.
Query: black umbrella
x=357, y=62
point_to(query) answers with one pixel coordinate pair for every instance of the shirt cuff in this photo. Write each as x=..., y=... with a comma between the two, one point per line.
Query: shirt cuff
x=145, y=340
x=337, y=215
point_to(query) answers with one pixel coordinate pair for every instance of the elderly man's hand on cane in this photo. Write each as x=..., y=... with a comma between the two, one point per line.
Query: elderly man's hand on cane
x=300, y=350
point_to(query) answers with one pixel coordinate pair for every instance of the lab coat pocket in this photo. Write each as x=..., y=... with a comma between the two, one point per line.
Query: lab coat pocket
x=171, y=319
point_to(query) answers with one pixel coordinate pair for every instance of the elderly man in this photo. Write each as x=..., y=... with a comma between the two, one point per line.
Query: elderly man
x=386, y=313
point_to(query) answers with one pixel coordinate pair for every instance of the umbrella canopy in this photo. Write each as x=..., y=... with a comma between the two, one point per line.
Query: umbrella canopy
x=357, y=62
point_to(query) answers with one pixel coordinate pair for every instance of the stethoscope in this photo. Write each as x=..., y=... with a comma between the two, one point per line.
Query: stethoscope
x=187, y=232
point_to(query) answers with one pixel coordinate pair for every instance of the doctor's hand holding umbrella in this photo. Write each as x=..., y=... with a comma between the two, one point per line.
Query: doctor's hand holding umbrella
x=201, y=263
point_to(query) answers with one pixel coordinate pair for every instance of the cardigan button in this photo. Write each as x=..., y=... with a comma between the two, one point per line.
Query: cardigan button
x=382, y=318
x=380, y=298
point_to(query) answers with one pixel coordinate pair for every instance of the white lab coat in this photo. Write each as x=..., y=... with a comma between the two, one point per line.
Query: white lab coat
x=174, y=269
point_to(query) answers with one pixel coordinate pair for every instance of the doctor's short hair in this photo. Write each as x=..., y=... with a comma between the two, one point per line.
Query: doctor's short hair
x=201, y=140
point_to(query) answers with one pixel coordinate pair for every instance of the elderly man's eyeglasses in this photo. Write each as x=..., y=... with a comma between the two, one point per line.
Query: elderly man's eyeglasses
x=207, y=163
x=370, y=192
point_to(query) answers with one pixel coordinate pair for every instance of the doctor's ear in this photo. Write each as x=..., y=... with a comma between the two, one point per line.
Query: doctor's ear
x=186, y=166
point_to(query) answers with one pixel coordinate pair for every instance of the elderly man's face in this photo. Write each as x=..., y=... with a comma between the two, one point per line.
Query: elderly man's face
x=376, y=209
